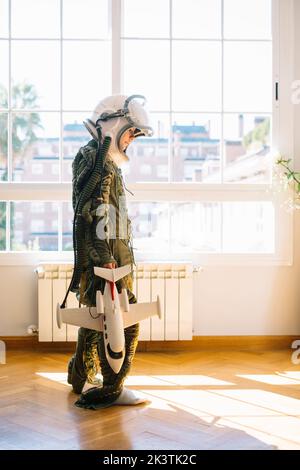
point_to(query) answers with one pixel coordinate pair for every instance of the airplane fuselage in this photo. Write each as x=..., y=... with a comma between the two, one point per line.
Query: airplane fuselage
x=113, y=327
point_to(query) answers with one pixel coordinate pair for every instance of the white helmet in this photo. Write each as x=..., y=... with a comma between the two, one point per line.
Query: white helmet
x=114, y=115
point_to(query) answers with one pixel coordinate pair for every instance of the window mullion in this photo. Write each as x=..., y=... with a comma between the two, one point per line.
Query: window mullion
x=222, y=146
x=60, y=176
x=9, y=122
x=171, y=146
x=115, y=9
x=276, y=74
x=60, y=225
x=7, y=234
x=9, y=130
x=222, y=153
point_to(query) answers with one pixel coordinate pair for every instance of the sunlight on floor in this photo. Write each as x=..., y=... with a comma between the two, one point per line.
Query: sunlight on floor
x=151, y=380
x=266, y=416
x=272, y=418
x=60, y=377
x=267, y=400
x=187, y=380
x=292, y=374
x=270, y=379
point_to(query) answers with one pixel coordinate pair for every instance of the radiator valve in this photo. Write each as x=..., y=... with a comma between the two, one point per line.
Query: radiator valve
x=32, y=330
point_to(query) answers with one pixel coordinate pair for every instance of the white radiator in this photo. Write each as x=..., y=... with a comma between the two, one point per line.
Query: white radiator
x=172, y=282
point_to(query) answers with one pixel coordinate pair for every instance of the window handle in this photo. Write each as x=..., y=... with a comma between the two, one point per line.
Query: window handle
x=276, y=91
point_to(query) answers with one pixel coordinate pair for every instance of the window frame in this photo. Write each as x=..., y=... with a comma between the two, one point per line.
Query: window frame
x=283, y=138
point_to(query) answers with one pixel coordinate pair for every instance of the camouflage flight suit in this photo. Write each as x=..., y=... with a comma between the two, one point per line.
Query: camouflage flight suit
x=90, y=352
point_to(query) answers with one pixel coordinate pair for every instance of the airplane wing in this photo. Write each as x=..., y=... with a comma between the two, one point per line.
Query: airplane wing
x=88, y=317
x=141, y=311
x=112, y=275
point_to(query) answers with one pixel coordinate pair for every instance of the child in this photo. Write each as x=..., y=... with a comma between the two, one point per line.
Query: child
x=102, y=237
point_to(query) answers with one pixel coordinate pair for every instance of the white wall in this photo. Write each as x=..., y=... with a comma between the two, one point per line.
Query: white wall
x=228, y=300
x=18, y=299
x=248, y=301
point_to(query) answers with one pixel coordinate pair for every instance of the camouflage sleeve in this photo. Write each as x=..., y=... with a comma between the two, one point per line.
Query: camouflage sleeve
x=102, y=213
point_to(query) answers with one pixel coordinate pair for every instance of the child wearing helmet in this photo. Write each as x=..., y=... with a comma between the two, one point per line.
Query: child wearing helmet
x=99, y=201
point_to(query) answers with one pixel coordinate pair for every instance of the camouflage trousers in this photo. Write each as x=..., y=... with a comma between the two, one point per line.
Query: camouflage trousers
x=90, y=359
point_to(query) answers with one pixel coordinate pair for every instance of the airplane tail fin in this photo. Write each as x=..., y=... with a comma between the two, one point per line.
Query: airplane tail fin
x=113, y=275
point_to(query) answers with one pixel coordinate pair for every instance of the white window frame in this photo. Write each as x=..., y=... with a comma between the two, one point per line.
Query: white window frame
x=283, y=63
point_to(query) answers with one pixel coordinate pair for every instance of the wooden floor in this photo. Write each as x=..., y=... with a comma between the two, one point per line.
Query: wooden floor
x=199, y=400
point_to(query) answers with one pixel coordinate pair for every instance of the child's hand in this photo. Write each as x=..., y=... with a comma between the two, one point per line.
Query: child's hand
x=109, y=265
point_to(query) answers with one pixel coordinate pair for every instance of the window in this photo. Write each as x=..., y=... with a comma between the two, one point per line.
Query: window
x=33, y=227
x=36, y=207
x=146, y=169
x=55, y=169
x=208, y=71
x=213, y=86
x=162, y=171
x=37, y=225
x=54, y=223
x=37, y=169
x=216, y=118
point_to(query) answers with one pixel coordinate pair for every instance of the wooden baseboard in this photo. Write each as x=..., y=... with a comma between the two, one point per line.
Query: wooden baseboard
x=33, y=343
x=201, y=343
x=222, y=343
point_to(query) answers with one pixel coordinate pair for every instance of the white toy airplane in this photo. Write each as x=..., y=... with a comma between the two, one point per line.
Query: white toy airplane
x=111, y=315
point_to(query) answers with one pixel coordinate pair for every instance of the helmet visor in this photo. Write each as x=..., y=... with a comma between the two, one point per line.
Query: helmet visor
x=138, y=115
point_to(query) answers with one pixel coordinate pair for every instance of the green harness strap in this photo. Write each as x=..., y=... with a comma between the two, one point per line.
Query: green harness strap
x=87, y=177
